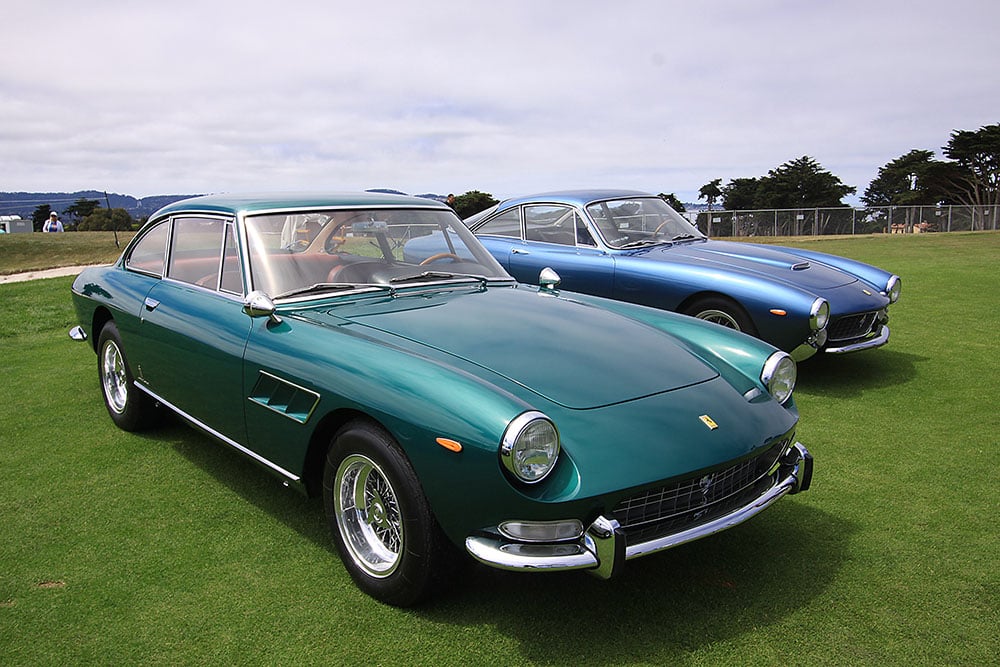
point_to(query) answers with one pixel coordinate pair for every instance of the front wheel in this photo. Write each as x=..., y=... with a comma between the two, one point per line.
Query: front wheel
x=129, y=408
x=381, y=522
x=722, y=311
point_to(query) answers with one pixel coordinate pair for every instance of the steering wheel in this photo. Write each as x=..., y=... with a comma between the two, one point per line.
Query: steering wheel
x=441, y=255
x=661, y=226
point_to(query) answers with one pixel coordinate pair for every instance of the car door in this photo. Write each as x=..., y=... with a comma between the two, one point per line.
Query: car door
x=193, y=328
x=556, y=237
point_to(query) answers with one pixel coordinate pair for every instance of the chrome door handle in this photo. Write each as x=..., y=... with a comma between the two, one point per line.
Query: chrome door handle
x=518, y=251
x=150, y=304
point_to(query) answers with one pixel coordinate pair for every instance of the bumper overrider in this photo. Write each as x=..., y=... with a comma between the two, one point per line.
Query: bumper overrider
x=603, y=547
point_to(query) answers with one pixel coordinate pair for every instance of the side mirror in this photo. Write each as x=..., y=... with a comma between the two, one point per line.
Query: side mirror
x=549, y=279
x=259, y=304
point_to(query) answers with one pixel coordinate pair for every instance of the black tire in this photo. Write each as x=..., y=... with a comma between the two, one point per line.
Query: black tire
x=129, y=408
x=392, y=546
x=722, y=311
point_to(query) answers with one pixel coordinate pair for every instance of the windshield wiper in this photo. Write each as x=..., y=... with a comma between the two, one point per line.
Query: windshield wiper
x=438, y=275
x=685, y=237
x=321, y=287
x=642, y=243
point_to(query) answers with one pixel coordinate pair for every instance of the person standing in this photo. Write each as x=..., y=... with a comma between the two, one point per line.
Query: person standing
x=53, y=225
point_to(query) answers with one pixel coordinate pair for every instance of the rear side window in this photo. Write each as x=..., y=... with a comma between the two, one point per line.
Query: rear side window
x=505, y=224
x=149, y=253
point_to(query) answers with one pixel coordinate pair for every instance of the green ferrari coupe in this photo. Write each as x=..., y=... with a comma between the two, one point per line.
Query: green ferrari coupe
x=442, y=410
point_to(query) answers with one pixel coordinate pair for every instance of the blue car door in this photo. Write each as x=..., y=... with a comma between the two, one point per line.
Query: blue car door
x=556, y=237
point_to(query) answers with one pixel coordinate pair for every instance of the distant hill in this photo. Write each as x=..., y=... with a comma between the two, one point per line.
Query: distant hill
x=25, y=203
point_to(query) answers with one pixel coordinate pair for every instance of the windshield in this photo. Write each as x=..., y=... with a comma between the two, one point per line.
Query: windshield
x=641, y=221
x=311, y=252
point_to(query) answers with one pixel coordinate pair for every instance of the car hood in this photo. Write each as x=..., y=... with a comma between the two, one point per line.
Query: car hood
x=573, y=354
x=756, y=259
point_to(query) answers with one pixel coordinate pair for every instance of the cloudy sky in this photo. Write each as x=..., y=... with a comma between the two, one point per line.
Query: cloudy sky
x=507, y=97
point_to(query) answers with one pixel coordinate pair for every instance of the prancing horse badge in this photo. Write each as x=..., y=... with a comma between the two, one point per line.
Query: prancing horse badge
x=709, y=422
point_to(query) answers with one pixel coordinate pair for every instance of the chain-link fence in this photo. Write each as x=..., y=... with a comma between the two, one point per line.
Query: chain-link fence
x=820, y=221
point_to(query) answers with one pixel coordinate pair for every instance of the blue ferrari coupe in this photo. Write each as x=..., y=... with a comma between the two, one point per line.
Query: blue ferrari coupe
x=632, y=246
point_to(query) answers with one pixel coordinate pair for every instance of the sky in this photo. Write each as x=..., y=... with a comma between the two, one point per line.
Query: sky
x=509, y=98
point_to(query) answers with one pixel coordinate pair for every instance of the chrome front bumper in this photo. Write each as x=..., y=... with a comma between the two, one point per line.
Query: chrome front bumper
x=880, y=339
x=603, y=549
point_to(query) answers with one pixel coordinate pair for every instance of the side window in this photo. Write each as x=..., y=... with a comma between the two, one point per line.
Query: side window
x=150, y=251
x=196, y=251
x=232, y=276
x=507, y=223
x=551, y=224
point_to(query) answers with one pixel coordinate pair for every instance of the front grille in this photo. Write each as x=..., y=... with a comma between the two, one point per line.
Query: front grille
x=691, y=502
x=852, y=326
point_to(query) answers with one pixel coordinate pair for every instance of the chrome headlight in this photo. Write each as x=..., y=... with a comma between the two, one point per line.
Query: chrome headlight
x=819, y=314
x=530, y=447
x=779, y=376
x=893, y=288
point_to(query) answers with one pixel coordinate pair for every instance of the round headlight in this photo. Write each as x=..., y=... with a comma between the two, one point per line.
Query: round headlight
x=530, y=447
x=779, y=376
x=819, y=314
x=893, y=288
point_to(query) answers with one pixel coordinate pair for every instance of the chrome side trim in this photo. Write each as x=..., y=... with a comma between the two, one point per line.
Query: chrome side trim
x=881, y=339
x=212, y=432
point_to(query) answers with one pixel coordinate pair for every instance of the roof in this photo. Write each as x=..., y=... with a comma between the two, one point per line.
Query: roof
x=576, y=197
x=271, y=201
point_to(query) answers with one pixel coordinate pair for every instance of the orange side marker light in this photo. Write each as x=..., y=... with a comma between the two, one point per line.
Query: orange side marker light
x=450, y=445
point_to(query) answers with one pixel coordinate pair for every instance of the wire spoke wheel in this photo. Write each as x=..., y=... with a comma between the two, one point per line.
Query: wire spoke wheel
x=368, y=515
x=719, y=317
x=114, y=378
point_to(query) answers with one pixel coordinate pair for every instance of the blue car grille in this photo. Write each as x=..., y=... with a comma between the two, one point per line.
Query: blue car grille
x=691, y=502
x=851, y=326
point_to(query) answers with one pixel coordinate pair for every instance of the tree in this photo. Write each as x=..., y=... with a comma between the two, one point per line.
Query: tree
x=710, y=192
x=104, y=220
x=905, y=181
x=975, y=178
x=81, y=208
x=672, y=201
x=801, y=183
x=40, y=216
x=740, y=194
x=473, y=202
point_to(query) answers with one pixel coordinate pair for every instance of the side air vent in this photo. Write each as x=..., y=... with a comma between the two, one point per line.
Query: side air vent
x=283, y=397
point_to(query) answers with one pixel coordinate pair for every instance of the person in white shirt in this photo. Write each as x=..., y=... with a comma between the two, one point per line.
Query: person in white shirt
x=53, y=225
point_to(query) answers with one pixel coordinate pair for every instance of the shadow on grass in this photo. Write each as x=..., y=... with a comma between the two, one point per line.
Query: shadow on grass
x=851, y=375
x=669, y=603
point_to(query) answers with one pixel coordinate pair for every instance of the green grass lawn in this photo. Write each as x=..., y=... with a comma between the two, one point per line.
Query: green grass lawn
x=33, y=252
x=166, y=548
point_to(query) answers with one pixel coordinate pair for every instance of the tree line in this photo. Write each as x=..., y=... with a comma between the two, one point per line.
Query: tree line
x=970, y=176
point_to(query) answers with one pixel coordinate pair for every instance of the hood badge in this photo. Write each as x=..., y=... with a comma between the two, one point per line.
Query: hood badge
x=709, y=422
x=866, y=291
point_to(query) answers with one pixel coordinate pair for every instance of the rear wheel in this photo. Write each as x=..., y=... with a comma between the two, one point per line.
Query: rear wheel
x=129, y=408
x=722, y=311
x=380, y=519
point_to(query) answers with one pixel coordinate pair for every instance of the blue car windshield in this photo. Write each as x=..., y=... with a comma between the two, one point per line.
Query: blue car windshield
x=311, y=252
x=640, y=221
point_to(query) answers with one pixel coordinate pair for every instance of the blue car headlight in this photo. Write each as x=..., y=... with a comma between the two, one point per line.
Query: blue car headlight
x=779, y=376
x=819, y=314
x=530, y=447
x=893, y=288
